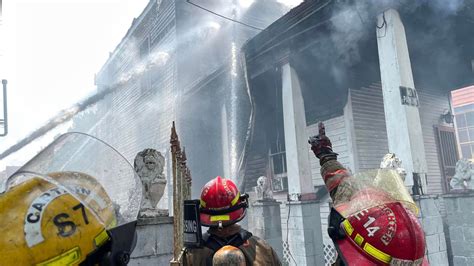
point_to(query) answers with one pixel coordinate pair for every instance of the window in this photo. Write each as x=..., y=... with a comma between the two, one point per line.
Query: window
x=461, y=120
x=466, y=151
x=471, y=133
x=465, y=129
x=470, y=119
x=463, y=136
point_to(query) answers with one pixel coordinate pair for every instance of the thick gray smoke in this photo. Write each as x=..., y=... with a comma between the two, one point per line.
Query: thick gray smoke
x=353, y=23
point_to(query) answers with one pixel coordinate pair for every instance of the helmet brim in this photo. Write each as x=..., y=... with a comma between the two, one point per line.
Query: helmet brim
x=351, y=254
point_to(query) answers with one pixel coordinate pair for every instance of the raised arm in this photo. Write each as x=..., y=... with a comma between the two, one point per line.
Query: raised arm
x=331, y=170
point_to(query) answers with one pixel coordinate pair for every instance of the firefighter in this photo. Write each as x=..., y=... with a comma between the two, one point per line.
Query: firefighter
x=229, y=256
x=373, y=220
x=221, y=207
x=66, y=217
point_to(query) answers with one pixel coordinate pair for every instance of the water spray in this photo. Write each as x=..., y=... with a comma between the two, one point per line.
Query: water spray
x=4, y=121
x=62, y=117
x=156, y=59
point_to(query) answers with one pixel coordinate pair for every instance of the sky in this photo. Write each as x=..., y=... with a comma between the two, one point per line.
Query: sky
x=49, y=53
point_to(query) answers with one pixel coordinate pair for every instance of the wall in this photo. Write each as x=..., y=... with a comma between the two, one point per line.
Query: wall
x=433, y=103
x=371, y=135
x=154, y=242
x=139, y=113
x=336, y=131
x=370, y=132
x=460, y=228
x=432, y=224
x=264, y=221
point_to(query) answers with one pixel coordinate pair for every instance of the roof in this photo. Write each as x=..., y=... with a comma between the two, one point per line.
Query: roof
x=284, y=27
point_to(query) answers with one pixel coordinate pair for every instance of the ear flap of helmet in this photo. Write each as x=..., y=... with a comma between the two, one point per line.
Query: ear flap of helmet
x=118, y=249
x=244, y=199
x=335, y=230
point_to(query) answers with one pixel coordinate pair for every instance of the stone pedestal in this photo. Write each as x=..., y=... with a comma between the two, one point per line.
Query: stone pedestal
x=154, y=243
x=305, y=241
x=432, y=223
x=460, y=228
x=265, y=222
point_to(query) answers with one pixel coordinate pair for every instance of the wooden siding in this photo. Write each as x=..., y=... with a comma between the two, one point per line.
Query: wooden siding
x=432, y=104
x=370, y=132
x=139, y=114
x=336, y=131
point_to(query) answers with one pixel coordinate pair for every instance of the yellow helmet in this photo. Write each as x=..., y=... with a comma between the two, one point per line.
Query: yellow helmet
x=51, y=216
x=56, y=228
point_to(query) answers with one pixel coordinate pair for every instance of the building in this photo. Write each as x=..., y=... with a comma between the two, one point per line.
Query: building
x=246, y=101
x=379, y=76
x=177, y=63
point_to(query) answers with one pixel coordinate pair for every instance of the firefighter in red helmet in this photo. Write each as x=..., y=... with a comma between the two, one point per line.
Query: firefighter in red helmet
x=221, y=207
x=373, y=220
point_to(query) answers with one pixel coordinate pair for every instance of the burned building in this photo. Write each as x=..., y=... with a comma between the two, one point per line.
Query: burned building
x=245, y=100
x=379, y=74
x=179, y=63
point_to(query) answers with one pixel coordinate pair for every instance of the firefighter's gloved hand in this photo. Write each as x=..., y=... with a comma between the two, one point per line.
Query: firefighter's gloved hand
x=322, y=148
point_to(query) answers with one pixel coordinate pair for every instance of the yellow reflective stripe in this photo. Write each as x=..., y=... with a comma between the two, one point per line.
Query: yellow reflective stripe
x=70, y=257
x=203, y=203
x=216, y=218
x=348, y=227
x=235, y=200
x=101, y=238
x=376, y=253
x=112, y=224
x=359, y=239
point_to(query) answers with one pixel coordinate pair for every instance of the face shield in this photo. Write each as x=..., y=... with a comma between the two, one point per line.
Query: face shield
x=372, y=188
x=74, y=156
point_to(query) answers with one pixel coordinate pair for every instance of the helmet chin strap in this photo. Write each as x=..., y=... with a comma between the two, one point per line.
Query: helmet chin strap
x=220, y=226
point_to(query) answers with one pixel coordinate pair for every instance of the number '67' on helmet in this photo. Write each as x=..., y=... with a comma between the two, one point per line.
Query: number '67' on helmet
x=43, y=223
x=221, y=203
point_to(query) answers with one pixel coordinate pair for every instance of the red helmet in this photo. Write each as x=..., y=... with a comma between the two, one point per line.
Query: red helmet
x=384, y=234
x=221, y=203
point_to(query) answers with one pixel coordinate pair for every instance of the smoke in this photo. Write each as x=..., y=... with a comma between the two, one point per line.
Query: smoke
x=353, y=23
x=441, y=7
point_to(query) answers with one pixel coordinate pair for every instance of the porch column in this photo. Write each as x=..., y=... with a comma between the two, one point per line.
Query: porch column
x=300, y=182
x=303, y=244
x=405, y=137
